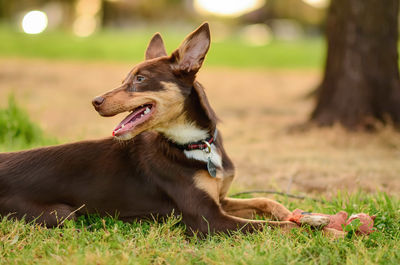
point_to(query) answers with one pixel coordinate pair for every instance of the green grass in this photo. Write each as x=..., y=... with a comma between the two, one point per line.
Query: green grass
x=95, y=240
x=107, y=240
x=130, y=47
x=17, y=131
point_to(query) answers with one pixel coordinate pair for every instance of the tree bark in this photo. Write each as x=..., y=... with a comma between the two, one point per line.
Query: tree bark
x=361, y=83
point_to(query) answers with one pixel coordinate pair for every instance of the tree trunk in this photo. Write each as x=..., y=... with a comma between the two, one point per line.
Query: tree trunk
x=361, y=83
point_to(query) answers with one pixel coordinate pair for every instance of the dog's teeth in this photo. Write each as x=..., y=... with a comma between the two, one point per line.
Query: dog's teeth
x=122, y=126
x=147, y=110
x=141, y=115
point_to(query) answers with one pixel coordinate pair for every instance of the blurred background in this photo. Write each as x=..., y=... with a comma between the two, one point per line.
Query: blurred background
x=265, y=63
x=112, y=29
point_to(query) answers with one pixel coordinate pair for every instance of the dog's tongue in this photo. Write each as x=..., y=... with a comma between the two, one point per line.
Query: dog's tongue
x=131, y=120
x=123, y=123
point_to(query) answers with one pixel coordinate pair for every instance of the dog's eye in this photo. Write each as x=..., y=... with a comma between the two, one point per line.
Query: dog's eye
x=139, y=78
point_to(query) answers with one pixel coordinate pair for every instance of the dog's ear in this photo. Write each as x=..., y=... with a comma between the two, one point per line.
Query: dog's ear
x=156, y=47
x=190, y=55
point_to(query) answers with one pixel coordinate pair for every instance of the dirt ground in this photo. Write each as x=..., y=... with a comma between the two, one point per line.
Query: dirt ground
x=257, y=108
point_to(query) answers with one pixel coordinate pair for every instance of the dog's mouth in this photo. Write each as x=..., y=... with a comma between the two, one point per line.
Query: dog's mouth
x=137, y=116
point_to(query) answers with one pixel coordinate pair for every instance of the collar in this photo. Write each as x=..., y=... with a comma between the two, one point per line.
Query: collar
x=199, y=145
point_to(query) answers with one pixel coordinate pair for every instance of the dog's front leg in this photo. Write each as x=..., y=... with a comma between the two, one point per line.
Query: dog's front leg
x=215, y=220
x=249, y=208
x=203, y=214
x=197, y=200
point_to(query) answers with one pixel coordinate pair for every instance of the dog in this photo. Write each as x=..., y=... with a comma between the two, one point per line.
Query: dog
x=166, y=156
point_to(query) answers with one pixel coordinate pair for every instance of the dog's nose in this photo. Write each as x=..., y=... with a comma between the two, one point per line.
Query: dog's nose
x=97, y=101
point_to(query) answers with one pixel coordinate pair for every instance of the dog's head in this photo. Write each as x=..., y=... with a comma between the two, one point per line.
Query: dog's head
x=155, y=90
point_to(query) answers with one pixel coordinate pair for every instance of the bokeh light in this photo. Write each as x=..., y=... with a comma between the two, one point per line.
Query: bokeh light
x=256, y=34
x=34, y=22
x=87, y=17
x=231, y=8
x=318, y=3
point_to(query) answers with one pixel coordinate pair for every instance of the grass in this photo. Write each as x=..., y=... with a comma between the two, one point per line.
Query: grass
x=130, y=47
x=95, y=240
x=106, y=240
x=17, y=131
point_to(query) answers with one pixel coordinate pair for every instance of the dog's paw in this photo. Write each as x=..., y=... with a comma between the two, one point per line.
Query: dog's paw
x=287, y=226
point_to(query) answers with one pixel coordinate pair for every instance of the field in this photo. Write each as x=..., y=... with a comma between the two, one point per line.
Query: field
x=261, y=109
x=129, y=47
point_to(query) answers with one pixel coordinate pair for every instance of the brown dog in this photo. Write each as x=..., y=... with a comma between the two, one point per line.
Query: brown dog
x=169, y=157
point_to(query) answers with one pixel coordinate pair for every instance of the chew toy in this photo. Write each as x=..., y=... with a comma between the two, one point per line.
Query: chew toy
x=338, y=221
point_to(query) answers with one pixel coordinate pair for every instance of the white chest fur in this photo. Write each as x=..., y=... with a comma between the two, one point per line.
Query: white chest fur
x=187, y=132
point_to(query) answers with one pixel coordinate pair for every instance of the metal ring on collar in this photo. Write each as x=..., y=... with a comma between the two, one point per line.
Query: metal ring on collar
x=208, y=149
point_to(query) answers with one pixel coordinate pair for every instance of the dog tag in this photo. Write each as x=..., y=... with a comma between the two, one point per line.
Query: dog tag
x=212, y=169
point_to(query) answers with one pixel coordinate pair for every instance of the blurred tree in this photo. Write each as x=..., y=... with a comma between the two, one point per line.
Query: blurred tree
x=361, y=82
